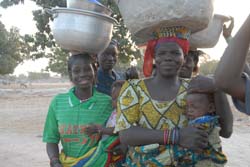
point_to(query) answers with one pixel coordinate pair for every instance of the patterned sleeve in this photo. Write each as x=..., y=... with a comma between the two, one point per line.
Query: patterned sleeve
x=127, y=107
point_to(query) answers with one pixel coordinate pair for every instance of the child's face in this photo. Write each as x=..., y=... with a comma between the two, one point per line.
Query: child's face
x=198, y=105
x=115, y=93
x=187, y=68
x=107, y=59
x=82, y=74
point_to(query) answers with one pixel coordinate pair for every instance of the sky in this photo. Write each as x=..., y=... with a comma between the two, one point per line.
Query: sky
x=21, y=16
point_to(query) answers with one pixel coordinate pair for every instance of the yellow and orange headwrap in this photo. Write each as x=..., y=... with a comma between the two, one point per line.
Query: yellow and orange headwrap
x=180, y=35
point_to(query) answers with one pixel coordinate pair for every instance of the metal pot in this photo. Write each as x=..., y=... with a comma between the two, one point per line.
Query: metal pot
x=209, y=37
x=80, y=30
x=86, y=5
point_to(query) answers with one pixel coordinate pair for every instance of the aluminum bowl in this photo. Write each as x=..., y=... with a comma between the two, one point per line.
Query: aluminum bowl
x=209, y=37
x=80, y=30
x=86, y=5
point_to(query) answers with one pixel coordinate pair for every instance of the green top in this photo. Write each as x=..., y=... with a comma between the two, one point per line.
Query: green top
x=67, y=119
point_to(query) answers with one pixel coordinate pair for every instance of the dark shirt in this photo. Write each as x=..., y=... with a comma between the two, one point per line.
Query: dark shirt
x=105, y=81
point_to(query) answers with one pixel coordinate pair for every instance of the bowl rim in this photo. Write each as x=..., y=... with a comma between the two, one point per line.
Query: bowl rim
x=224, y=18
x=106, y=10
x=84, y=12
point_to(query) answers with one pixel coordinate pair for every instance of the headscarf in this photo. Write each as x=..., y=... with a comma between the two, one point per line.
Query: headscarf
x=179, y=35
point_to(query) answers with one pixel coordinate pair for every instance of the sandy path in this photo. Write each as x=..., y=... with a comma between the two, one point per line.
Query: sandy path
x=22, y=116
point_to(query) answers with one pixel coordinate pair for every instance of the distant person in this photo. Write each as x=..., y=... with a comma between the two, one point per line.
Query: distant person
x=106, y=74
x=190, y=67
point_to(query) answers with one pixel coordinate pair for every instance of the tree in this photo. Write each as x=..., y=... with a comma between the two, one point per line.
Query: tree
x=208, y=67
x=38, y=75
x=13, y=49
x=43, y=40
x=7, y=3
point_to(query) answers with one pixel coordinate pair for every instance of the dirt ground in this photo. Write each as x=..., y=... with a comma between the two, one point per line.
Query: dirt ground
x=22, y=116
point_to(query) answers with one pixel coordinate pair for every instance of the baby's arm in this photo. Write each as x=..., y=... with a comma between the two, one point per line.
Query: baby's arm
x=93, y=129
x=107, y=131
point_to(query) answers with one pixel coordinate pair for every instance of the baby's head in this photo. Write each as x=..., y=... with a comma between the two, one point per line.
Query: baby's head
x=199, y=104
x=115, y=91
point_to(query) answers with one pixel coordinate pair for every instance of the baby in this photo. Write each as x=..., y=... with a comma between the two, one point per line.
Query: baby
x=201, y=111
x=109, y=128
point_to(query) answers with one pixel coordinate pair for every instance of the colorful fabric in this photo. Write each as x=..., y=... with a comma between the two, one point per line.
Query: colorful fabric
x=105, y=81
x=97, y=156
x=67, y=119
x=178, y=32
x=136, y=107
x=112, y=120
x=244, y=107
x=213, y=152
x=179, y=35
x=204, y=119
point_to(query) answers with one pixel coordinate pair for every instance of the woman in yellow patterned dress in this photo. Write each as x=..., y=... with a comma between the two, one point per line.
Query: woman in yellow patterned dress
x=151, y=116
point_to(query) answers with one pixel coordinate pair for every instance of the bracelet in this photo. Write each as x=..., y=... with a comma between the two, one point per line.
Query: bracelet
x=171, y=136
x=164, y=137
x=175, y=136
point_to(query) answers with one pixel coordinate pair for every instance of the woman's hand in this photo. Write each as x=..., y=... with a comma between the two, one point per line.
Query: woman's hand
x=93, y=129
x=227, y=31
x=193, y=138
x=202, y=84
x=120, y=149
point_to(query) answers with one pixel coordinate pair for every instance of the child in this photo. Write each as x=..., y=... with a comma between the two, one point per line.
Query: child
x=201, y=113
x=108, y=130
x=106, y=74
x=190, y=67
x=65, y=113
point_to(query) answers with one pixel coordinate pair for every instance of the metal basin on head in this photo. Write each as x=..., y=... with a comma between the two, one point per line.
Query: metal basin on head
x=81, y=30
x=209, y=37
x=88, y=5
